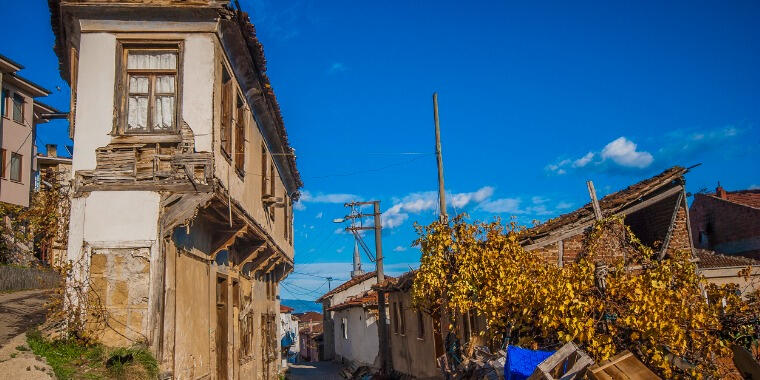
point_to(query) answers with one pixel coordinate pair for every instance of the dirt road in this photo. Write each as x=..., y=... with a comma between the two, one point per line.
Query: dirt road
x=314, y=370
x=20, y=311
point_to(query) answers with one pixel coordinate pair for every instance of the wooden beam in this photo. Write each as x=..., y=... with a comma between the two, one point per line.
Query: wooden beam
x=227, y=242
x=252, y=252
x=671, y=226
x=594, y=201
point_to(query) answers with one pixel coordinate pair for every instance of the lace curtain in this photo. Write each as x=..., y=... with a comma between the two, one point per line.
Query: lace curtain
x=142, y=86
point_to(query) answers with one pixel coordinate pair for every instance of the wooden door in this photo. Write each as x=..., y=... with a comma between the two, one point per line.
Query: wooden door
x=221, y=328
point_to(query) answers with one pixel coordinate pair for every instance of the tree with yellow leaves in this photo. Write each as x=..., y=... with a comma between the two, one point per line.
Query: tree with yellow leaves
x=605, y=302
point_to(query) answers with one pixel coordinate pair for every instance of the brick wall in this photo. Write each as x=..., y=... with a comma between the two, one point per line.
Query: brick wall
x=679, y=238
x=731, y=228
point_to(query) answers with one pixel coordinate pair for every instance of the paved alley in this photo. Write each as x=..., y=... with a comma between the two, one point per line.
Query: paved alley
x=20, y=311
x=314, y=370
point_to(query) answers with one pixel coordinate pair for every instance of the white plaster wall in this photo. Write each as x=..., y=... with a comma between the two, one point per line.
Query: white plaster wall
x=355, y=290
x=121, y=216
x=362, y=343
x=198, y=89
x=95, y=97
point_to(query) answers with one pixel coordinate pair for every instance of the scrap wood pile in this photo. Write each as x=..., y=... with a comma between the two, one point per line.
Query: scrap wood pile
x=567, y=363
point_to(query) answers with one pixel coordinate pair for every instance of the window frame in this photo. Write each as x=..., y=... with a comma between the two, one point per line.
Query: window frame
x=226, y=113
x=240, y=121
x=21, y=100
x=124, y=46
x=20, y=167
x=3, y=163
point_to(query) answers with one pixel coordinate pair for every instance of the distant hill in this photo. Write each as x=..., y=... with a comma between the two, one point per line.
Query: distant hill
x=302, y=306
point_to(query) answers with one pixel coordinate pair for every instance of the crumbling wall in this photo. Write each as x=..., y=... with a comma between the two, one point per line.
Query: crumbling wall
x=119, y=288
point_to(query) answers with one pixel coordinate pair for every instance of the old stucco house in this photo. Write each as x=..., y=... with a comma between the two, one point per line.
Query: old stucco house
x=357, y=285
x=183, y=182
x=355, y=334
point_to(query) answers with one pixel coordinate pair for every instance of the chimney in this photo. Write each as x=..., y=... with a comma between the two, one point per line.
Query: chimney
x=357, y=262
x=52, y=150
x=720, y=192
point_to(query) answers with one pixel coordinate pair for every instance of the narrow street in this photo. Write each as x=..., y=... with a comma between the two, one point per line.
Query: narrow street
x=314, y=370
x=20, y=311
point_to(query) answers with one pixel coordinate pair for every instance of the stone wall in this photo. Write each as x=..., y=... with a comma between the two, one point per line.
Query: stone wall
x=119, y=287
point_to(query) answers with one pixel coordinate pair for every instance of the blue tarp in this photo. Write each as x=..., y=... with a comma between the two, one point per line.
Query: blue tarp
x=521, y=362
x=288, y=339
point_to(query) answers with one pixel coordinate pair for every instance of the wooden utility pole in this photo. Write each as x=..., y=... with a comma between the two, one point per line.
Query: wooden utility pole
x=439, y=158
x=382, y=326
x=444, y=218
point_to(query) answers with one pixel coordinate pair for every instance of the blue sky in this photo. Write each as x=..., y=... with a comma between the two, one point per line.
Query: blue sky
x=534, y=100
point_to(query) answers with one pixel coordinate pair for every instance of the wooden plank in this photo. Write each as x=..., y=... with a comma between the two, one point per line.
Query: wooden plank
x=621, y=356
x=635, y=369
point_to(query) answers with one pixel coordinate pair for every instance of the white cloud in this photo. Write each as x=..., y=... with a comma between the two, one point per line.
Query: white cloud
x=463, y=199
x=563, y=205
x=623, y=152
x=502, y=205
x=583, y=161
x=319, y=216
x=419, y=202
x=618, y=153
x=754, y=187
x=340, y=250
x=308, y=197
x=399, y=249
x=299, y=206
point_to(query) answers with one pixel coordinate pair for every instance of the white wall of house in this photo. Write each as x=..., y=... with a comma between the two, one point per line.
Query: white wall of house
x=360, y=342
x=95, y=97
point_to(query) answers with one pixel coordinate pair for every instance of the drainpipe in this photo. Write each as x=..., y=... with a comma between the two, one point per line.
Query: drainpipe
x=2, y=113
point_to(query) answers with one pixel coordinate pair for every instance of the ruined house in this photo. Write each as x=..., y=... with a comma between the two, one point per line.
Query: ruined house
x=727, y=222
x=654, y=209
x=183, y=183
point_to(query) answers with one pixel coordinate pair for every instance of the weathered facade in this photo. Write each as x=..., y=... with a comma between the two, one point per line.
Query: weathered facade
x=655, y=210
x=181, y=216
x=415, y=337
x=727, y=222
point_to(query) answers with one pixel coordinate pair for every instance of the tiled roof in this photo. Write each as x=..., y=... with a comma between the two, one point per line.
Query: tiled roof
x=749, y=198
x=366, y=299
x=610, y=205
x=310, y=316
x=710, y=259
x=403, y=282
x=286, y=309
x=348, y=284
